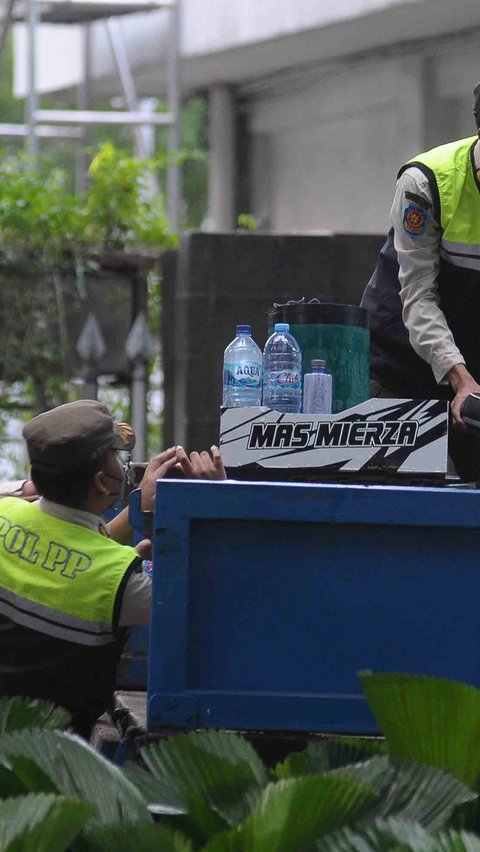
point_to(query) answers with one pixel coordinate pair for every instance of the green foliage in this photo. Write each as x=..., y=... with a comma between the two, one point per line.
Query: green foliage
x=247, y=222
x=121, y=208
x=45, y=227
x=212, y=793
x=18, y=714
x=76, y=770
x=395, y=835
x=213, y=777
x=140, y=837
x=428, y=720
x=35, y=823
x=49, y=240
x=294, y=813
x=40, y=219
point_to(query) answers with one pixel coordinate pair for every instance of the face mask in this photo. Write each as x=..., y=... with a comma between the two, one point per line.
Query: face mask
x=120, y=493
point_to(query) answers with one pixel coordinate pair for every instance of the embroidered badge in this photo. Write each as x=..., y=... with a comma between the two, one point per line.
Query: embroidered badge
x=415, y=220
x=126, y=434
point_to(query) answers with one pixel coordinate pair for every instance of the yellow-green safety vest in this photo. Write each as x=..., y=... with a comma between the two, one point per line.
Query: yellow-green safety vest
x=457, y=183
x=57, y=577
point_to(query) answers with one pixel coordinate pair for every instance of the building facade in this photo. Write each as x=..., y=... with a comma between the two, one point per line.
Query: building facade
x=313, y=106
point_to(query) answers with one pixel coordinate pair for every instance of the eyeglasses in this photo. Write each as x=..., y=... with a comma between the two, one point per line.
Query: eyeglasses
x=132, y=473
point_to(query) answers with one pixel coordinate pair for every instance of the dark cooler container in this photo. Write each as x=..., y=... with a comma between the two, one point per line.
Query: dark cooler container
x=337, y=333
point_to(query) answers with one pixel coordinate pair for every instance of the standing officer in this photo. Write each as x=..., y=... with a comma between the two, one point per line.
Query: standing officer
x=68, y=591
x=424, y=296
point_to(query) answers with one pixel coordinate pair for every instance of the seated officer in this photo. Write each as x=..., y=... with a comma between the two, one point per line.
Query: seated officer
x=68, y=591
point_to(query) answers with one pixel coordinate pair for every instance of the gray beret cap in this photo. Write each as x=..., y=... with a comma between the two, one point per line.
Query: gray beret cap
x=69, y=436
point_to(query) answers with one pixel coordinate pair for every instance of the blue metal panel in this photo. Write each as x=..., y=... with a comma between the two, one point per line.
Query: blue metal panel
x=268, y=599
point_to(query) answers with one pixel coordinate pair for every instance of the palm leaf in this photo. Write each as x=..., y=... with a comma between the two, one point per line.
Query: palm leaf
x=160, y=797
x=39, y=823
x=422, y=794
x=140, y=837
x=416, y=792
x=76, y=770
x=395, y=834
x=34, y=779
x=412, y=791
x=293, y=813
x=323, y=755
x=213, y=777
x=17, y=713
x=10, y=783
x=428, y=720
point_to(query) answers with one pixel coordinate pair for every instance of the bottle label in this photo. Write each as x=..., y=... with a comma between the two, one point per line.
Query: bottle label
x=243, y=374
x=287, y=380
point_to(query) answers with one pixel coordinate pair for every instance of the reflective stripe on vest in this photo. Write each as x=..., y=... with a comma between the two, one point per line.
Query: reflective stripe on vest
x=461, y=254
x=453, y=168
x=57, y=577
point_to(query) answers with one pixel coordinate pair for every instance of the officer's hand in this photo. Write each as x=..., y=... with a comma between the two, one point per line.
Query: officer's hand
x=462, y=383
x=201, y=465
x=144, y=548
x=24, y=489
x=156, y=469
x=28, y=492
x=457, y=403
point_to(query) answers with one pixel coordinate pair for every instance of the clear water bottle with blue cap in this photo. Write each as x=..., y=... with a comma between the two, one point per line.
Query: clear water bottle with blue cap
x=282, y=371
x=242, y=371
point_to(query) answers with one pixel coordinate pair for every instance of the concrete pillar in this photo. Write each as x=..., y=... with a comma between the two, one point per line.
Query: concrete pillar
x=418, y=103
x=221, y=202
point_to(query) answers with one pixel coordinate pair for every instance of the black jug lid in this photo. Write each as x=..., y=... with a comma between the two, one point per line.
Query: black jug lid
x=319, y=313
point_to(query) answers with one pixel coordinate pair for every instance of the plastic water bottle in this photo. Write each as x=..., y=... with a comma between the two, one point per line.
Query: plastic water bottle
x=317, y=389
x=282, y=371
x=242, y=371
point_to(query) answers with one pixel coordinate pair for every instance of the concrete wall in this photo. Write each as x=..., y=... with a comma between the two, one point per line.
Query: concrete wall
x=238, y=42
x=211, y=25
x=219, y=280
x=325, y=148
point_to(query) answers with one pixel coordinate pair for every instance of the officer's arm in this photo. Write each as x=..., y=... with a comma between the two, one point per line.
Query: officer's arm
x=417, y=238
x=119, y=527
x=419, y=261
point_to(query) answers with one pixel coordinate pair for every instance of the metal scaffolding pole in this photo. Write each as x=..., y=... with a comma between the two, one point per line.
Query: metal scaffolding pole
x=96, y=116
x=173, y=170
x=117, y=44
x=81, y=12
x=83, y=96
x=32, y=98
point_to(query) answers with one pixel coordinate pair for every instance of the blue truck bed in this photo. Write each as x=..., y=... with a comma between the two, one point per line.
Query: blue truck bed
x=268, y=598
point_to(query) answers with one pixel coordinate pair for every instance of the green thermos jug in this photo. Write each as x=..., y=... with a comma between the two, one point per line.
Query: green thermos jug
x=337, y=333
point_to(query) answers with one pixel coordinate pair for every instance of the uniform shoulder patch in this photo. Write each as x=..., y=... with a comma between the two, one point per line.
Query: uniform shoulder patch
x=415, y=220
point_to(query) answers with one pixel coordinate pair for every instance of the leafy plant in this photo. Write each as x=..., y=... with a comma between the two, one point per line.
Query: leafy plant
x=248, y=222
x=33, y=823
x=428, y=720
x=49, y=240
x=212, y=792
x=41, y=220
x=121, y=208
